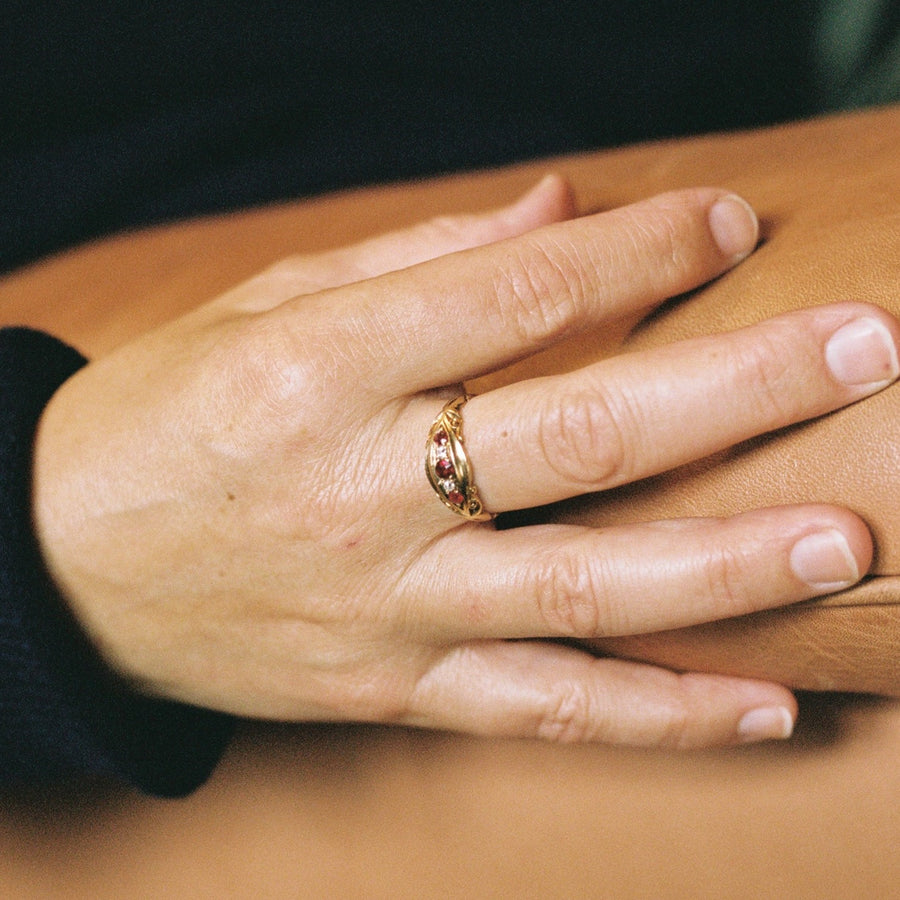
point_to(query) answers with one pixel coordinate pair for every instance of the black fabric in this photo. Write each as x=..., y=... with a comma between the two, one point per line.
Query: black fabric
x=61, y=711
x=115, y=113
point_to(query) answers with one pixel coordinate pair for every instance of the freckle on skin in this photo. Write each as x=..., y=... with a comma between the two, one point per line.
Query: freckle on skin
x=230, y=496
x=477, y=612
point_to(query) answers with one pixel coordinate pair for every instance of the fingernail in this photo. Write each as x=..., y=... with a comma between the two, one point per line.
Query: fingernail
x=734, y=227
x=863, y=353
x=824, y=561
x=765, y=724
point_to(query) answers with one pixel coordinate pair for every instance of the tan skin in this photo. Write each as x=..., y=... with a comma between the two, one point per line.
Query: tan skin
x=236, y=509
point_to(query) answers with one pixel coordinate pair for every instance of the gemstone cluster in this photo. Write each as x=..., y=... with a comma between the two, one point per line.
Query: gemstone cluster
x=446, y=471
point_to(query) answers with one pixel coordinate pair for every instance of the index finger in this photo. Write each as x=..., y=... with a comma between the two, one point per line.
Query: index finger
x=462, y=315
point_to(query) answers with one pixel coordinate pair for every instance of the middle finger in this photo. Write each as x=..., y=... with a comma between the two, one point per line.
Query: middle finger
x=639, y=414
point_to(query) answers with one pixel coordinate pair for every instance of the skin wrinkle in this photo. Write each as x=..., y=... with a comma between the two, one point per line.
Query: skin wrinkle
x=362, y=329
x=473, y=597
x=638, y=432
x=725, y=570
x=553, y=265
x=673, y=730
x=625, y=605
x=366, y=685
x=671, y=260
x=722, y=569
x=587, y=289
x=388, y=335
x=767, y=363
x=767, y=368
x=603, y=426
x=567, y=594
x=572, y=275
x=534, y=295
x=378, y=329
x=673, y=257
x=569, y=714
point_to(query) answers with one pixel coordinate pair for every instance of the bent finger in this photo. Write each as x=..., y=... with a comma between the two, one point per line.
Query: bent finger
x=515, y=689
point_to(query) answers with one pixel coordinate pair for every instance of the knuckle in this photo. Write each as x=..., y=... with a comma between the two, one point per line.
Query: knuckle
x=569, y=714
x=369, y=694
x=664, y=236
x=299, y=274
x=380, y=700
x=658, y=237
x=764, y=369
x=674, y=726
x=280, y=281
x=567, y=595
x=540, y=290
x=449, y=232
x=726, y=574
x=581, y=437
x=270, y=366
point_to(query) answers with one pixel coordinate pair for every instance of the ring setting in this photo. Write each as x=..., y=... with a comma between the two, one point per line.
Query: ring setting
x=447, y=464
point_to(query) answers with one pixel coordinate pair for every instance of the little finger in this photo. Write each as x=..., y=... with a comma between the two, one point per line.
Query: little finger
x=515, y=689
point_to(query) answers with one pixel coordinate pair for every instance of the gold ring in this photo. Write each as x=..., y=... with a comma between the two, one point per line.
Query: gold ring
x=447, y=464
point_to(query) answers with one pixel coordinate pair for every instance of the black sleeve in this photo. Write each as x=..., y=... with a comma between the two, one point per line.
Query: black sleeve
x=61, y=710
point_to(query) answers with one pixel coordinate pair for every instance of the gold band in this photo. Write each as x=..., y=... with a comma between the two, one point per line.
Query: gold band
x=447, y=464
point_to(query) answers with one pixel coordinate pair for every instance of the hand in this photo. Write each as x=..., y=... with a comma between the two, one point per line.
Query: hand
x=236, y=510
